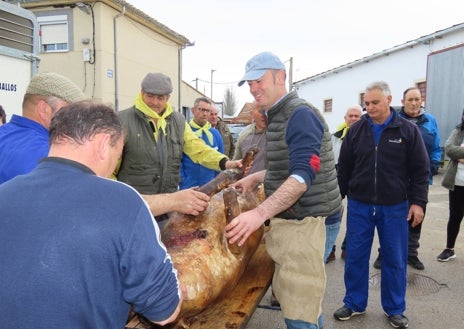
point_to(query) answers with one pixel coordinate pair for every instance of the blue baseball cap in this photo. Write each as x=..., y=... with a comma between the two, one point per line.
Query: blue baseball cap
x=259, y=64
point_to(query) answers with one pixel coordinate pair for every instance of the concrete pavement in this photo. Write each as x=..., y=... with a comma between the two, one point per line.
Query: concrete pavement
x=435, y=296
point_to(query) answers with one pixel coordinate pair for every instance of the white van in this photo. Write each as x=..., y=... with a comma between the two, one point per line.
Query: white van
x=19, y=48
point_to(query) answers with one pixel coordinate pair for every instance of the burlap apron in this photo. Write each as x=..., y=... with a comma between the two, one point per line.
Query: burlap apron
x=297, y=248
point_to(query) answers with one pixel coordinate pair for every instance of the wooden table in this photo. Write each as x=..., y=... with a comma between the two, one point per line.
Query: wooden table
x=236, y=309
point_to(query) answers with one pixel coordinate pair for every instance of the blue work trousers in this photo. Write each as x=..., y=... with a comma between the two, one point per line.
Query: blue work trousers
x=392, y=227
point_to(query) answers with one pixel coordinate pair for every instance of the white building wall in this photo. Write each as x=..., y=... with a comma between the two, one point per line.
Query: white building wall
x=401, y=67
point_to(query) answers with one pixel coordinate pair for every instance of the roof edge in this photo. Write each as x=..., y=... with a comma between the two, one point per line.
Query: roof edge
x=119, y=5
x=424, y=40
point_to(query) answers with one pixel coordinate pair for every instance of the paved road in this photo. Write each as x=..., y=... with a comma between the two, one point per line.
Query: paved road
x=435, y=296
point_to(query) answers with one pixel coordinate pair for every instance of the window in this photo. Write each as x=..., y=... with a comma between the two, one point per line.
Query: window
x=361, y=100
x=185, y=112
x=53, y=33
x=423, y=90
x=328, y=105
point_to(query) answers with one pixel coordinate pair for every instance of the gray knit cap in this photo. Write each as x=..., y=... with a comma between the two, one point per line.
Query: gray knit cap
x=157, y=84
x=54, y=84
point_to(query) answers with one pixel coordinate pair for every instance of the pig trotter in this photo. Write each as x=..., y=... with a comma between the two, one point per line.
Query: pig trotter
x=232, y=210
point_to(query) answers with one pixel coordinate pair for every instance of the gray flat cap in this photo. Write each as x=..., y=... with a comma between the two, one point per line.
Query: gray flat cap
x=54, y=84
x=157, y=84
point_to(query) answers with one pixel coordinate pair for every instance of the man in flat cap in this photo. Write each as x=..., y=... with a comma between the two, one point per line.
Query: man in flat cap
x=156, y=137
x=25, y=138
x=301, y=187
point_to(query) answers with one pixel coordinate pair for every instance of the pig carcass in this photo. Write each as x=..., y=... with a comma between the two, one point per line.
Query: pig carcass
x=207, y=265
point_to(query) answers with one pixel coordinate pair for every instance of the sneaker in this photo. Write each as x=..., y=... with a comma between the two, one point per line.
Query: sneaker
x=378, y=262
x=415, y=262
x=446, y=255
x=344, y=313
x=331, y=257
x=398, y=321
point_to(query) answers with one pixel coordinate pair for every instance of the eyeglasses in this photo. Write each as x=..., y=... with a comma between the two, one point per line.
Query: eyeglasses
x=203, y=110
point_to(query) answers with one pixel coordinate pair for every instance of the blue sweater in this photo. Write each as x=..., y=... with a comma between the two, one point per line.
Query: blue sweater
x=194, y=174
x=78, y=250
x=23, y=143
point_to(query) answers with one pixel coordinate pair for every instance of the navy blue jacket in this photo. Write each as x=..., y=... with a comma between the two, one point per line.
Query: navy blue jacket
x=394, y=170
x=78, y=250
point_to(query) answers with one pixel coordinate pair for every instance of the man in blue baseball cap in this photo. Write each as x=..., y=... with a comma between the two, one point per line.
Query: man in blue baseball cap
x=301, y=189
x=259, y=64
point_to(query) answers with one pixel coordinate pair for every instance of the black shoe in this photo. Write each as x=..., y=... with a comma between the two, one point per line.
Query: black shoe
x=343, y=254
x=446, y=255
x=331, y=257
x=415, y=262
x=344, y=313
x=398, y=321
x=274, y=301
x=378, y=262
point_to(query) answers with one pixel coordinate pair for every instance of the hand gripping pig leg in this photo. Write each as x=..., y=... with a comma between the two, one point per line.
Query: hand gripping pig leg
x=229, y=176
x=232, y=210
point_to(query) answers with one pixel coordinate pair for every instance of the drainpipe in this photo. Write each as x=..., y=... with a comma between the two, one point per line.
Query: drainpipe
x=189, y=44
x=179, y=98
x=116, y=87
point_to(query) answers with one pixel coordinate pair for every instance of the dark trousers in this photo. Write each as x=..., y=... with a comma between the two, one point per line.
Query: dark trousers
x=456, y=213
x=413, y=238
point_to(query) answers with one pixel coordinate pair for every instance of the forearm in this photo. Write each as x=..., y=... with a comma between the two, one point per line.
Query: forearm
x=454, y=152
x=287, y=194
x=256, y=178
x=160, y=204
x=199, y=152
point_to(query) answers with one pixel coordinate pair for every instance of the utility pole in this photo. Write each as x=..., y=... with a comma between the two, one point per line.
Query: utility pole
x=212, y=71
x=196, y=83
x=290, y=75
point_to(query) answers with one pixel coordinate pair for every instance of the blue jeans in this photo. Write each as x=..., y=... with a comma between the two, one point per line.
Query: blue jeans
x=298, y=324
x=331, y=233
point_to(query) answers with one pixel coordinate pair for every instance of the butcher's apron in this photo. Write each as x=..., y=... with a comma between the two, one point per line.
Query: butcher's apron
x=297, y=248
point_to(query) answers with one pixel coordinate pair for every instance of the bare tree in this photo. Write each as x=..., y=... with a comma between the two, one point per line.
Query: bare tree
x=229, y=102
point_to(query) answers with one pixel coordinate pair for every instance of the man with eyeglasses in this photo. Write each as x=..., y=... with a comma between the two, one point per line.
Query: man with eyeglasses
x=24, y=139
x=194, y=174
x=156, y=137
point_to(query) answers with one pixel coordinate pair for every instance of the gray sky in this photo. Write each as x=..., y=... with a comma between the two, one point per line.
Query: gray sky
x=318, y=35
